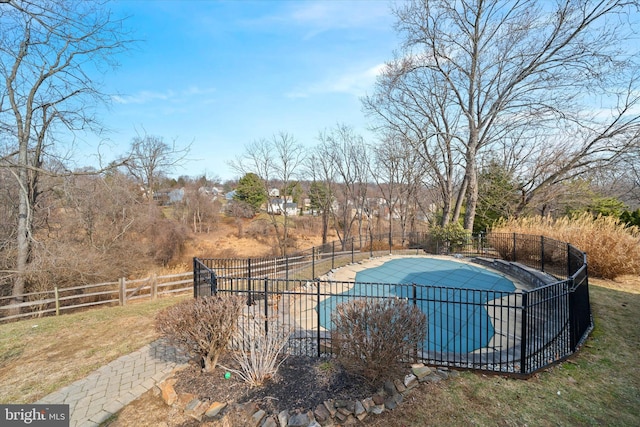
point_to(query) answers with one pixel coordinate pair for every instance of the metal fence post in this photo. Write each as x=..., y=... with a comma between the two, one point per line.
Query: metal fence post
x=353, y=243
x=313, y=262
x=514, y=247
x=415, y=294
x=266, y=306
x=333, y=254
x=568, y=260
x=213, y=281
x=196, y=277
x=523, y=333
x=542, y=253
x=318, y=322
x=249, y=292
x=415, y=303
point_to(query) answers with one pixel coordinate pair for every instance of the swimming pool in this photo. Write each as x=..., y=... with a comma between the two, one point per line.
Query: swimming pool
x=452, y=294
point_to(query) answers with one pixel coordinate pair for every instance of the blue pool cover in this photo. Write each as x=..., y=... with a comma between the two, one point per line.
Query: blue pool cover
x=453, y=297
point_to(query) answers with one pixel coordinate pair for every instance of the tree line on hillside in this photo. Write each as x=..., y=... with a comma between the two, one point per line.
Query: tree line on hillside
x=353, y=186
x=487, y=109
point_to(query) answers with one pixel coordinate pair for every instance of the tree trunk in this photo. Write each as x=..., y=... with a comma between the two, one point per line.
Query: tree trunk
x=325, y=225
x=471, y=177
x=23, y=250
x=459, y=201
x=446, y=212
x=25, y=214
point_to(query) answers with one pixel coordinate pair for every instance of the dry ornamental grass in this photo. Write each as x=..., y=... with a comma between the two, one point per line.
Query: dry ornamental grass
x=612, y=249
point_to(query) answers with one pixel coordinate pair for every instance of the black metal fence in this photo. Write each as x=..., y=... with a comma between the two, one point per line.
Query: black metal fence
x=517, y=332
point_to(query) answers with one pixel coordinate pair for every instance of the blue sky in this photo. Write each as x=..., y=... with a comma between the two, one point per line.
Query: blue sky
x=221, y=74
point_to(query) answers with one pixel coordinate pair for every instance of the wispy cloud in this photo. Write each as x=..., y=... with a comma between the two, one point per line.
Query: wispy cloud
x=317, y=17
x=148, y=96
x=355, y=83
x=141, y=97
x=339, y=14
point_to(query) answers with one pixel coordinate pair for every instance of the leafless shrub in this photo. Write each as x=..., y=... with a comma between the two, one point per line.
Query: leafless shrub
x=308, y=224
x=167, y=240
x=376, y=245
x=239, y=209
x=372, y=336
x=240, y=225
x=259, y=229
x=259, y=352
x=291, y=245
x=202, y=326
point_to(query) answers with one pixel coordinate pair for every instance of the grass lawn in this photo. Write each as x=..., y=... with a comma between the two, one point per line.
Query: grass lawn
x=39, y=356
x=598, y=386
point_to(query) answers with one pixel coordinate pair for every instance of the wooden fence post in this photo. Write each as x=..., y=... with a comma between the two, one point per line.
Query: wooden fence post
x=154, y=286
x=123, y=291
x=57, y=297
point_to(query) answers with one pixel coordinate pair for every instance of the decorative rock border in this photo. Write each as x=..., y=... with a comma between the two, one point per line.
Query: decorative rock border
x=330, y=413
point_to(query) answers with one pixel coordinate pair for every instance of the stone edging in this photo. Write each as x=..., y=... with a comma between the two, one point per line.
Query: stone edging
x=330, y=413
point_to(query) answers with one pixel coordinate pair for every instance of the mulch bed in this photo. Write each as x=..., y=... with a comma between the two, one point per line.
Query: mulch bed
x=301, y=383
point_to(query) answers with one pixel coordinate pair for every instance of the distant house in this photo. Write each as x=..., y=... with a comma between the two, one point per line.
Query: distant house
x=214, y=192
x=230, y=194
x=176, y=196
x=279, y=206
x=168, y=197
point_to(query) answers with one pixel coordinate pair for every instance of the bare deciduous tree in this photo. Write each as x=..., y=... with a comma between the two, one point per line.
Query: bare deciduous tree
x=151, y=158
x=505, y=67
x=398, y=172
x=322, y=189
x=344, y=161
x=48, y=50
x=198, y=208
x=408, y=109
x=277, y=162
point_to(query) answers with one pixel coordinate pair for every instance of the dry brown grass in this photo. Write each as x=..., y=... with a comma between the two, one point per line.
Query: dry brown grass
x=612, y=249
x=223, y=242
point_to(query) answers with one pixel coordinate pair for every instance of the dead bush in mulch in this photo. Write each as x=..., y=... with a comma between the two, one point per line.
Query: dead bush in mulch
x=372, y=337
x=203, y=327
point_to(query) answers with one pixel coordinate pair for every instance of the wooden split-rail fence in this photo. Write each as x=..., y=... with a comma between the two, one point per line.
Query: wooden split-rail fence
x=58, y=300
